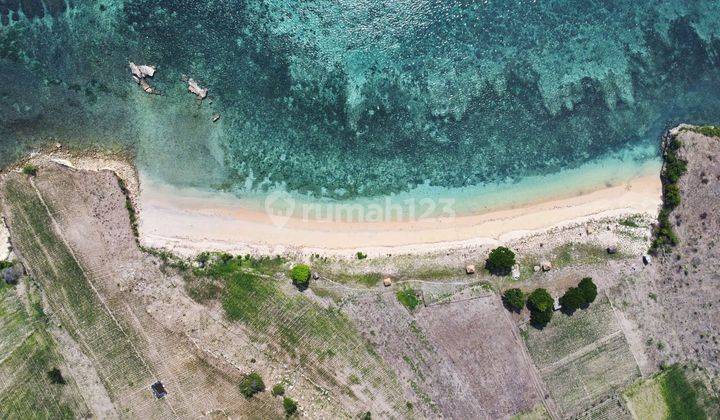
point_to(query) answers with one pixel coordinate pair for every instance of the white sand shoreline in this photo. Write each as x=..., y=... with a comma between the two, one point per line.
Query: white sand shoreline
x=188, y=222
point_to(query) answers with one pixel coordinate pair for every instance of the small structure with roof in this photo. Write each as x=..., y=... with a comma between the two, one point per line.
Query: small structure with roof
x=158, y=389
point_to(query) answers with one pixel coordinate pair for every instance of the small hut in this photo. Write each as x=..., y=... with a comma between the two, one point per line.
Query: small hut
x=158, y=389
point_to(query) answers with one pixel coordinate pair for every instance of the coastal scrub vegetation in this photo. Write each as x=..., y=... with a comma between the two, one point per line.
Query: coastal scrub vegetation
x=706, y=130
x=674, y=167
x=361, y=255
x=300, y=275
x=129, y=206
x=251, y=384
x=30, y=169
x=514, y=299
x=500, y=261
x=541, y=305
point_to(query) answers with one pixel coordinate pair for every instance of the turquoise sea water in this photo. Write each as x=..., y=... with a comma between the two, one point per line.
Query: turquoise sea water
x=338, y=99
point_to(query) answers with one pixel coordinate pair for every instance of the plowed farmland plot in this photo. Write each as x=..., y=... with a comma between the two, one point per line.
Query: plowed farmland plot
x=584, y=358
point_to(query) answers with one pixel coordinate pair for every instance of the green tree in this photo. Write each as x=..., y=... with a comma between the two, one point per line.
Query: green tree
x=540, y=301
x=514, y=299
x=251, y=384
x=500, y=261
x=572, y=300
x=540, y=319
x=588, y=290
x=300, y=275
x=541, y=306
x=290, y=406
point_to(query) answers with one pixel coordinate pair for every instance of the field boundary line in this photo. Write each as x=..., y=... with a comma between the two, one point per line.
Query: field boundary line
x=581, y=352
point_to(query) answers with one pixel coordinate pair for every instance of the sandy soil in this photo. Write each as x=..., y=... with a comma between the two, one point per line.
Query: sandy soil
x=189, y=221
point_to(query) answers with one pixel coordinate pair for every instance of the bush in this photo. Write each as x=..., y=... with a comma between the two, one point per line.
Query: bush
x=56, y=376
x=572, y=300
x=514, y=299
x=251, y=384
x=300, y=275
x=541, y=306
x=671, y=195
x=361, y=255
x=278, y=389
x=290, y=406
x=588, y=290
x=30, y=169
x=500, y=261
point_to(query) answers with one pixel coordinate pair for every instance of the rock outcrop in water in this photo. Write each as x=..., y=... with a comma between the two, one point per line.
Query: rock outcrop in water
x=141, y=73
x=193, y=87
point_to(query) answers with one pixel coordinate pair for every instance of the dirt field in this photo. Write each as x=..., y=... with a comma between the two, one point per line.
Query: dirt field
x=461, y=358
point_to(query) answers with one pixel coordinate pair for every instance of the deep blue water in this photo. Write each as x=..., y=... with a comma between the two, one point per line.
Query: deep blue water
x=357, y=98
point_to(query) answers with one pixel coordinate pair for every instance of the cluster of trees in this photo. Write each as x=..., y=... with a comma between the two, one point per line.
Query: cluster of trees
x=580, y=296
x=673, y=169
x=500, y=261
x=542, y=305
x=252, y=383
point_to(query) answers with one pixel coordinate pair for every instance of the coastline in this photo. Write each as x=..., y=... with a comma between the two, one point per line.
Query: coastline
x=187, y=222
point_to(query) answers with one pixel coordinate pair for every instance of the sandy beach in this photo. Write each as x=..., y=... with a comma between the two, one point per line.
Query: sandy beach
x=189, y=221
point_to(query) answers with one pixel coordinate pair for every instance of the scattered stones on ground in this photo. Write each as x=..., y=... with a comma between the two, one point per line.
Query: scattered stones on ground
x=215, y=117
x=536, y=268
x=589, y=229
x=516, y=271
x=470, y=269
x=646, y=259
x=612, y=249
x=545, y=265
x=315, y=275
x=387, y=282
